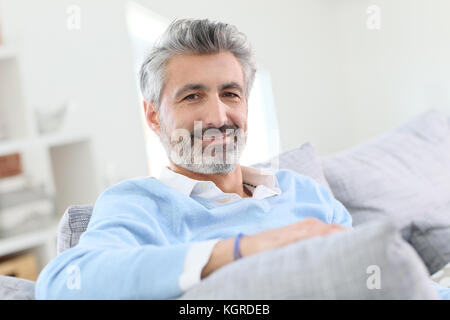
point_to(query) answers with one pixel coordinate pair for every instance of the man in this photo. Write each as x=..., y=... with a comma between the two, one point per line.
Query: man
x=156, y=238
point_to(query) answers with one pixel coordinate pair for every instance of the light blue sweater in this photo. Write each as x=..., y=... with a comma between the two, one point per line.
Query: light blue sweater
x=141, y=230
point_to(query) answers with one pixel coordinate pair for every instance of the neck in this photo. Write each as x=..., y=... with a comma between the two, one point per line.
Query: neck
x=230, y=182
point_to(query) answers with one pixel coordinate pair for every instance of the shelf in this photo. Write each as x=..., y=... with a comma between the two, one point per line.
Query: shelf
x=60, y=139
x=28, y=239
x=8, y=146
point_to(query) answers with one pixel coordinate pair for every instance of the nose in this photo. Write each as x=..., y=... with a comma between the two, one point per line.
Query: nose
x=215, y=114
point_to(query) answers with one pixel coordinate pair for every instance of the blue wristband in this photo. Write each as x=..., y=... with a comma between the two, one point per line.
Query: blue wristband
x=237, y=252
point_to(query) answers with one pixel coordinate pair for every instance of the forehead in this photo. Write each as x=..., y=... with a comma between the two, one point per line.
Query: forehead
x=209, y=69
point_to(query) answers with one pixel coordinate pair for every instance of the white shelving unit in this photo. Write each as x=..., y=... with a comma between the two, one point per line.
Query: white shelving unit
x=62, y=161
x=41, y=241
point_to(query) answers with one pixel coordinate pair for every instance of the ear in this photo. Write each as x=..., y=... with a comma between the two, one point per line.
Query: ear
x=152, y=116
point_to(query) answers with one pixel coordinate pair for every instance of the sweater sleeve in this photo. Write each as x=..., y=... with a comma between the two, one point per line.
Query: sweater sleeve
x=444, y=292
x=123, y=254
x=341, y=215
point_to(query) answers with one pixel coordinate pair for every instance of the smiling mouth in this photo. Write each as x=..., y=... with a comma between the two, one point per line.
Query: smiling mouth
x=216, y=139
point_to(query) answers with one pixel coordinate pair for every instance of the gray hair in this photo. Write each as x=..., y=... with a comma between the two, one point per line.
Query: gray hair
x=189, y=36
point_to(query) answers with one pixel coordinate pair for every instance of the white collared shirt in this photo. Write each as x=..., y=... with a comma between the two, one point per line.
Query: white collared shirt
x=262, y=183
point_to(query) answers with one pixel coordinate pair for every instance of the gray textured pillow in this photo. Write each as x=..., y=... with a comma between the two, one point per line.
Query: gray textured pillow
x=73, y=223
x=12, y=288
x=303, y=160
x=344, y=265
x=403, y=174
x=430, y=236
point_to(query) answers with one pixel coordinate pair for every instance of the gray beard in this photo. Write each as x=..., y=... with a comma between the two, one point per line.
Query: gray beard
x=207, y=165
x=213, y=168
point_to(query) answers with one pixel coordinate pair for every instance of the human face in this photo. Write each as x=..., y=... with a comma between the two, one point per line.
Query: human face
x=204, y=95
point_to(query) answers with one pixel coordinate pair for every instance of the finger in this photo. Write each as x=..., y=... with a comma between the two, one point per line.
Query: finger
x=338, y=226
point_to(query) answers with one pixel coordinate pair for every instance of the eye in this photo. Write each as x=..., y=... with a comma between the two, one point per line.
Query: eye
x=231, y=94
x=191, y=96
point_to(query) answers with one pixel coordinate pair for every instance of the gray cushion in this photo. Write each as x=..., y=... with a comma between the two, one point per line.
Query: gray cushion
x=403, y=174
x=338, y=266
x=303, y=160
x=12, y=288
x=430, y=236
x=73, y=223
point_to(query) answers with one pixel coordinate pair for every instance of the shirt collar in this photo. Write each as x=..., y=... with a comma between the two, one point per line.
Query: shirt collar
x=253, y=177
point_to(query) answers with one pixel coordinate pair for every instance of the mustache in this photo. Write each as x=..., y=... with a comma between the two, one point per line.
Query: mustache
x=222, y=129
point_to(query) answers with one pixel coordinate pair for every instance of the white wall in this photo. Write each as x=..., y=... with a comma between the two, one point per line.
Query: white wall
x=398, y=71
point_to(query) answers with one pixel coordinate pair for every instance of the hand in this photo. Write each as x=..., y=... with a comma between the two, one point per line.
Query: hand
x=222, y=253
x=279, y=237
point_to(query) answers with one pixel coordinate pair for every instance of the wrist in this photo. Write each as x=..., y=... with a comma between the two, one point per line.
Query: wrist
x=236, y=248
x=246, y=245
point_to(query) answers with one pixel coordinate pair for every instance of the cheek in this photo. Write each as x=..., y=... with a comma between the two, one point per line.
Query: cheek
x=240, y=118
x=178, y=122
x=168, y=118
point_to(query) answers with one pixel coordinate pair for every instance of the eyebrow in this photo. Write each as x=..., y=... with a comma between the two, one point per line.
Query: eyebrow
x=199, y=86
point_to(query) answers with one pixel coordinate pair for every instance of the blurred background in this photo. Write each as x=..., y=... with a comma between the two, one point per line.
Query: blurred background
x=332, y=72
